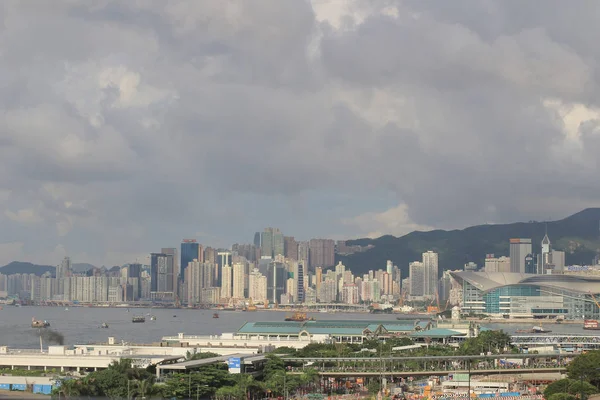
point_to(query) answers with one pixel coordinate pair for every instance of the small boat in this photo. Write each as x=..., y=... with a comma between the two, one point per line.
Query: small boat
x=39, y=324
x=174, y=316
x=104, y=325
x=137, y=319
x=216, y=315
x=66, y=308
x=298, y=317
x=153, y=318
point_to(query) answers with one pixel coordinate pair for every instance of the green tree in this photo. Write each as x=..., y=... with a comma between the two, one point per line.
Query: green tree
x=561, y=396
x=570, y=387
x=586, y=366
x=273, y=364
x=487, y=341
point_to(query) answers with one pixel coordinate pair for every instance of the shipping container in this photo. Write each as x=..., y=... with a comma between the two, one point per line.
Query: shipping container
x=18, y=386
x=4, y=386
x=43, y=389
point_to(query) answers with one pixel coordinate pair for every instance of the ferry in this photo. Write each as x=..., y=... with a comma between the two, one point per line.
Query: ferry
x=298, y=317
x=138, y=319
x=39, y=324
x=591, y=325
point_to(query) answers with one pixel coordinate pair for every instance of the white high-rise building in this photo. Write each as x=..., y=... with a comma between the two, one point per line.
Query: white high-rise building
x=238, y=280
x=500, y=264
x=430, y=269
x=257, y=286
x=226, y=281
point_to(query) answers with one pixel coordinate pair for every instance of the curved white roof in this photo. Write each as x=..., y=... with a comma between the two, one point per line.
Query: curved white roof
x=486, y=281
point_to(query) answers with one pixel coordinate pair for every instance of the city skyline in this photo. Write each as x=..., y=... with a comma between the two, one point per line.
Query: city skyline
x=136, y=124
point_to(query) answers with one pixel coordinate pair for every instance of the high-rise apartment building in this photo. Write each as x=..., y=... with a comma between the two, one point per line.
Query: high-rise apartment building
x=226, y=282
x=416, y=278
x=431, y=271
x=493, y=264
x=238, y=281
x=321, y=253
x=290, y=247
x=519, y=249
x=299, y=280
x=190, y=251
x=257, y=286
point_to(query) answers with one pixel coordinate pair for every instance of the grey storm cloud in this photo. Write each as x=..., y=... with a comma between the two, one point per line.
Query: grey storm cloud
x=126, y=126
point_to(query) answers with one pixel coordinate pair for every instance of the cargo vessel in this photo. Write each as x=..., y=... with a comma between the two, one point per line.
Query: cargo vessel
x=591, y=325
x=535, y=329
x=298, y=317
x=39, y=324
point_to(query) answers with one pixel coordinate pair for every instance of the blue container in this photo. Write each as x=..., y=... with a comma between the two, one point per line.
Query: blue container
x=4, y=386
x=18, y=386
x=42, y=389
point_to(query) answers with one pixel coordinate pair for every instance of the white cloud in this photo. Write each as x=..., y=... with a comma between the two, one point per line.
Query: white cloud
x=24, y=215
x=125, y=126
x=394, y=221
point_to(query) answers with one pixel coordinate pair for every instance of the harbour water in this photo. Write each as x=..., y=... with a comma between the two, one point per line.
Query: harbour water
x=79, y=325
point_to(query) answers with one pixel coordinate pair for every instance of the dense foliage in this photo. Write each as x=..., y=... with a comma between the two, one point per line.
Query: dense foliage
x=586, y=366
x=564, y=388
x=122, y=380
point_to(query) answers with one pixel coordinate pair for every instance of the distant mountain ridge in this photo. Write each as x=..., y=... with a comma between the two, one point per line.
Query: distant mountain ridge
x=22, y=267
x=577, y=235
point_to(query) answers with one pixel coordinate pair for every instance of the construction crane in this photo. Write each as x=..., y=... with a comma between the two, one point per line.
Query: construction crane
x=595, y=301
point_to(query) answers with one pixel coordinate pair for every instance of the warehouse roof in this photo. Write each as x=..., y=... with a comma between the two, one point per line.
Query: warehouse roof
x=332, y=327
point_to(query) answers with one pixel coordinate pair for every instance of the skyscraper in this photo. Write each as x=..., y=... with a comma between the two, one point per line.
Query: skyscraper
x=290, y=247
x=238, y=281
x=322, y=253
x=271, y=243
x=190, y=251
x=304, y=254
x=175, y=268
x=276, y=281
x=299, y=277
x=161, y=274
x=430, y=270
x=226, y=281
x=519, y=249
x=416, y=278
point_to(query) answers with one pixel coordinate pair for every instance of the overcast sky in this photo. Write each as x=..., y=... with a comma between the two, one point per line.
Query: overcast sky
x=127, y=126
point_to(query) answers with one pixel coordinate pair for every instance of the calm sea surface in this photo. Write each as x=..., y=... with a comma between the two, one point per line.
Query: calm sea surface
x=80, y=325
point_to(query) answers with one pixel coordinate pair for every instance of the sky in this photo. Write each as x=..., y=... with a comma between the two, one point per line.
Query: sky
x=127, y=126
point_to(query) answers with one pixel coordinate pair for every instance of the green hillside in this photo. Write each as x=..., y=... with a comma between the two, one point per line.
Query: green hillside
x=20, y=267
x=577, y=235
